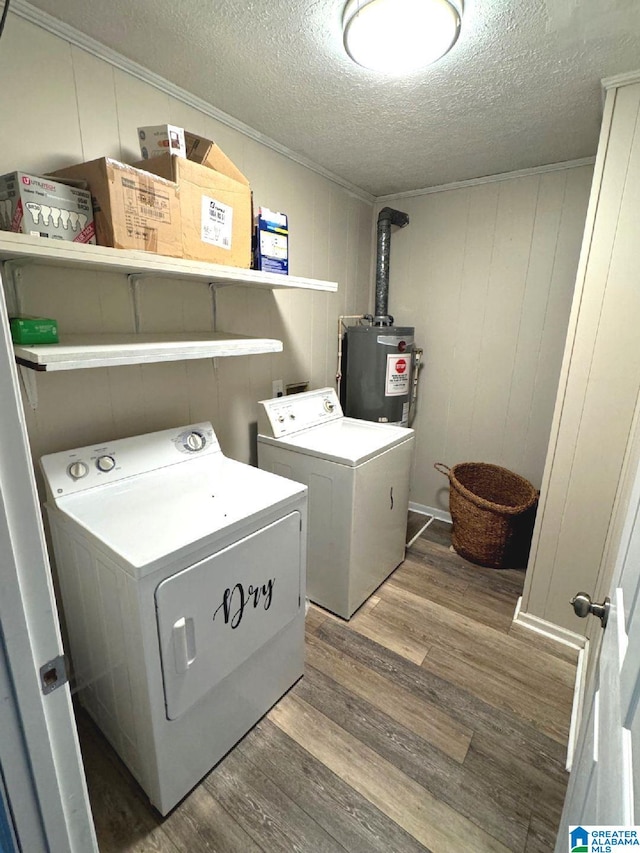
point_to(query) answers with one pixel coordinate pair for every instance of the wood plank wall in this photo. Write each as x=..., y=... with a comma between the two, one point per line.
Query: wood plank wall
x=600, y=385
x=70, y=106
x=486, y=274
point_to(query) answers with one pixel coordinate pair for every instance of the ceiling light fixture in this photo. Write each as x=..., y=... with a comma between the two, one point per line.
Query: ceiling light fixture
x=400, y=36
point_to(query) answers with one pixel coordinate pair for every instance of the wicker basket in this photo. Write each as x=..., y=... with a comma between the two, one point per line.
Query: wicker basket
x=493, y=511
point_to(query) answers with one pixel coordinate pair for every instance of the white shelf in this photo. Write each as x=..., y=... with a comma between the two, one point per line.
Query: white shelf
x=81, y=351
x=22, y=247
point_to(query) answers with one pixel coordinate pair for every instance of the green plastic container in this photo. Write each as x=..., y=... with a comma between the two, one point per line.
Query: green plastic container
x=33, y=330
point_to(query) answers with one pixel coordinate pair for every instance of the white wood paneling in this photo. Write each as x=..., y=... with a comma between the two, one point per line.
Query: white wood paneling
x=40, y=120
x=486, y=274
x=600, y=380
x=97, y=107
x=82, y=107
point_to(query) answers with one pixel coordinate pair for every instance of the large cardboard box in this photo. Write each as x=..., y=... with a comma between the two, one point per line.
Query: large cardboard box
x=42, y=207
x=133, y=209
x=215, y=207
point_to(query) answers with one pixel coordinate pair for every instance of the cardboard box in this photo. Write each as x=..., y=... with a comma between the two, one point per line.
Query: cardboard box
x=133, y=209
x=215, y=209
x=42, y=207
x=207, y=153
x=33, y=330
x=271, y=249
x=161, y=139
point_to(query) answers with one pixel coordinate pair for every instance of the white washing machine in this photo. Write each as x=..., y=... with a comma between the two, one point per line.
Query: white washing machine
x=358, y=477
x=183, y=582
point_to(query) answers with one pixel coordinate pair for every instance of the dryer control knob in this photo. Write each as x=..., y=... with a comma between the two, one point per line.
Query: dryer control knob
x=194, y=441
x=329, y=406
x=77, y=470
x=280, y=419
x=105, y=463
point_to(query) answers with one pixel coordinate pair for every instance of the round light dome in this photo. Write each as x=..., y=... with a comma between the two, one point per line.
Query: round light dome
x=399, y=36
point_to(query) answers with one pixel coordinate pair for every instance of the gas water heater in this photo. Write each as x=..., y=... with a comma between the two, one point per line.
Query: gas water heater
x=380, y=360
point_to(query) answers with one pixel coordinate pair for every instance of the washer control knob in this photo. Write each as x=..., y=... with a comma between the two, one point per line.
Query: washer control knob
x=77, y=470
x=280, y=419
x=329, y=406
x=292, y=416
x=194, y=441
x=105, y=463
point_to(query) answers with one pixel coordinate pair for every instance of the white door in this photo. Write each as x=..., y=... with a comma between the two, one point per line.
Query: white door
x=604, y=787
x=214, y=615
x=45, y=806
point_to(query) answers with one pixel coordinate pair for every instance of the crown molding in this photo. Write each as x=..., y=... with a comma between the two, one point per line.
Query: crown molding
x=52, y=25
x=24, y=10
x=489, y=179
x=626, y=79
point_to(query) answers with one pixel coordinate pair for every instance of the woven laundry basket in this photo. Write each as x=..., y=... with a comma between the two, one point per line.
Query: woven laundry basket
x=493, y=511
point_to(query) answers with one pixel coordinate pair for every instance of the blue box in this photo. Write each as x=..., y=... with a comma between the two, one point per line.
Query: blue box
x=271, y=241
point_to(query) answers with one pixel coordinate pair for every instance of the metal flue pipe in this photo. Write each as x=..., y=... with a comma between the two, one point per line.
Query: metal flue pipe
x=386, y=218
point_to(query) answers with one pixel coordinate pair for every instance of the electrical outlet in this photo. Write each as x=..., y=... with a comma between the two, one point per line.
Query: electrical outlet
x=277, y=388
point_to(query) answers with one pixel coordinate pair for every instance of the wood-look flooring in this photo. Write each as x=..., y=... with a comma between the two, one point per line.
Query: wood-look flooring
x=426, y=723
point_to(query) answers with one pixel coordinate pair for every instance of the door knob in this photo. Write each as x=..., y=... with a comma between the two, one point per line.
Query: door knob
x=583, y=606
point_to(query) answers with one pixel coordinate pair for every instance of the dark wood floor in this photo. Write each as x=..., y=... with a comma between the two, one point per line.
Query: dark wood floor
x=425, y=723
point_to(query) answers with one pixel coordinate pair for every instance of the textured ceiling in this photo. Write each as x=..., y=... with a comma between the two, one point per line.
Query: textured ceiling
x=521, y=87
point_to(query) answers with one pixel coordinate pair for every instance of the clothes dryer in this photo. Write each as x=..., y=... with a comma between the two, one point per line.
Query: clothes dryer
x=357, y=473
x=183, y=582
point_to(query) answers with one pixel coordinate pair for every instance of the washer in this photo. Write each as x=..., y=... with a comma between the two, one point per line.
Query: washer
x=183, y=581
x=358, y=478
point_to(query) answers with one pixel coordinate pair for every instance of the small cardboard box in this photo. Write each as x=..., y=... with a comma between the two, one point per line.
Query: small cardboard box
x=207, y=153
x=215, y=210
x=133, y=209
x=161, y=139
x=33, y=330
x=42, y=207
x=271, y=250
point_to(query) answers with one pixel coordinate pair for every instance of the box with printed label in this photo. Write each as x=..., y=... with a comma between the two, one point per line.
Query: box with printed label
x=215, y=210
x=42, y=207
x=133, y=209
x=161, y=139
x=271, y=242
x=33, y=330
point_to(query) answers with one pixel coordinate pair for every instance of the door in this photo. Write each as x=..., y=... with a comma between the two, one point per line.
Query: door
x=379, y=519
x=44, y=798
x=604, y=787
x=213, y=616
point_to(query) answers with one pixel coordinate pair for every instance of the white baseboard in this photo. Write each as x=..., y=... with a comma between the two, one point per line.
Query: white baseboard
x=436, y=512
x=579, y=690
x=548, y=629
x=574, y=641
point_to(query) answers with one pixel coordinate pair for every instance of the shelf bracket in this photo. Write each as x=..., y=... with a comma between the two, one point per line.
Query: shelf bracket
x=134, y=286
x=12, y=275
x=28, y=379
x=213, y=292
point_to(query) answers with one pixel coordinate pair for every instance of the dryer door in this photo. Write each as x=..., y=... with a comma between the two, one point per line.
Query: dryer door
x=214, y=615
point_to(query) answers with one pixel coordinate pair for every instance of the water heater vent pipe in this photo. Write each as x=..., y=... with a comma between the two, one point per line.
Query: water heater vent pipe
x=386, y=218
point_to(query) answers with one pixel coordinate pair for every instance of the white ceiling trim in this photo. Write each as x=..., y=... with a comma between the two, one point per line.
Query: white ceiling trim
x=621, y=80
x=490, y=179
x=65, y=31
